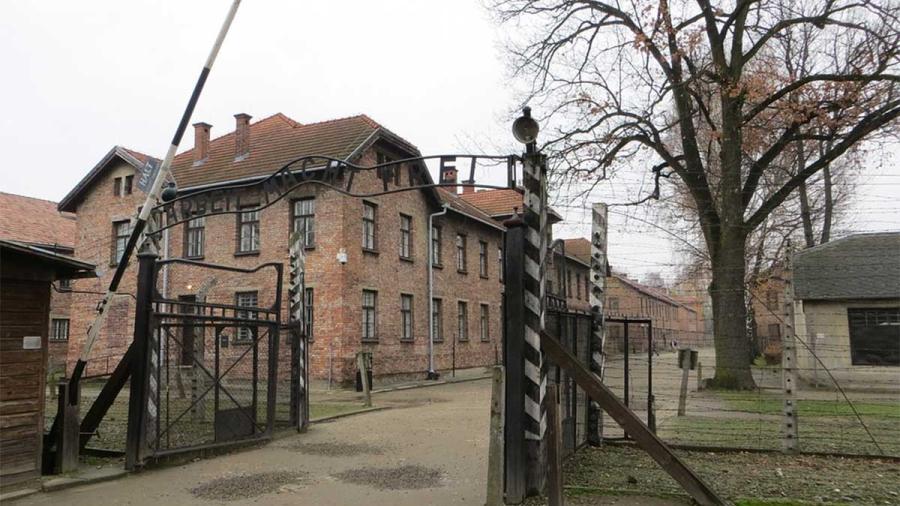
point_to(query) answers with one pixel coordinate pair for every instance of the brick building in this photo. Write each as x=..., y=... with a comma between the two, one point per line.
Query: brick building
x=366, y=259
x=37, y=223
x=672, y=321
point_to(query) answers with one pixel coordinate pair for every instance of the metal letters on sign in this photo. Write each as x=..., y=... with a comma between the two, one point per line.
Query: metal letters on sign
x=396, y=176
x=148, y=175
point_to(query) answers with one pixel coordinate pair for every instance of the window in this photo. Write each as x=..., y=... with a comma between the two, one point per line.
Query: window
x=405, y=236
x=59, y=329
x=485, y=322
x=304, y=221
x=578, y=285
x=437, y=322
x=121, y=231
x=461, y=253
x=482, y=259
x=126, y=187
x=462, y=320
x=874, y=336
x=369, y=321
x=246, y=299
x=193, y=237
x=248, y=232
x=65, y=285
x=774, y=331
x=406, y=317
x=436, y=245
x=568, y=288
x=389, y=171
x=587, y=287
x=500, y=262
x=117, y=187
x=368, y=232
x=614, y=304
x=308, y=320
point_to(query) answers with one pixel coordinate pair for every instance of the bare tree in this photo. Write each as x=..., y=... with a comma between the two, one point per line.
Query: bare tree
x=620, y=78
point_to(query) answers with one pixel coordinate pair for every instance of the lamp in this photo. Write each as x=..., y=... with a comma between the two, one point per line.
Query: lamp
x=525, y=129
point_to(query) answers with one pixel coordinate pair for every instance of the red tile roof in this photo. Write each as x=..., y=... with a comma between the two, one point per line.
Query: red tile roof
x=275, y=141
x=456, y=203
x=497, y=203
x=656, y=293
x=35, y=221
x=502, y=203
x=579, y=248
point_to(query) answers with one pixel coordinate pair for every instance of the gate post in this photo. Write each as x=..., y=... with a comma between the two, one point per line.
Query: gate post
x=514, y=361
x=789, y=432
x=141, y=405
x=598, y=325
x=536, y=242
x=299, y=416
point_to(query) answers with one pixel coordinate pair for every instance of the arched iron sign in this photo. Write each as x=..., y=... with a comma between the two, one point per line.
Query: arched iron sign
x=338, y=175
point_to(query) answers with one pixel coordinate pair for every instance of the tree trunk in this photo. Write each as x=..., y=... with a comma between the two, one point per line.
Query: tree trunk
x=829, y=206
x=730, y=316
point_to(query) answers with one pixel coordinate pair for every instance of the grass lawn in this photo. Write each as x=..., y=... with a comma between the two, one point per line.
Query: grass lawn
x=752, y=420
x=748, y=479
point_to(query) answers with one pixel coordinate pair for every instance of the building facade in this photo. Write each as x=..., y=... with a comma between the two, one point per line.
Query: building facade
x=674, y=324
x=847, y=311
x=367, y=259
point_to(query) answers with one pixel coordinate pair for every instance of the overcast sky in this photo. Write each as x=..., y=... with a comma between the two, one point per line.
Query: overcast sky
x=80, y=77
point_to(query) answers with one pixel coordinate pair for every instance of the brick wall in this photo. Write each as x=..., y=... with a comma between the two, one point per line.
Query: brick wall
x=670, y=322
x=337, y=288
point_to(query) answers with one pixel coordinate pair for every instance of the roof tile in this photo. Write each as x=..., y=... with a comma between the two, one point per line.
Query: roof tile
x=35, y=221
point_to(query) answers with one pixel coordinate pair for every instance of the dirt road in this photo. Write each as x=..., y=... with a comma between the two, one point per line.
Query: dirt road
x=431, y=437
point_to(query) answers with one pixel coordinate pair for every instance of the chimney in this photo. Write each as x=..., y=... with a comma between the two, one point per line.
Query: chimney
x=241, y=136
x=468, y=189
x=201, y=142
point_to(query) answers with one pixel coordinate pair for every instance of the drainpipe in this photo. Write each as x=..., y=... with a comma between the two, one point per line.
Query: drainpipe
x=431, y=373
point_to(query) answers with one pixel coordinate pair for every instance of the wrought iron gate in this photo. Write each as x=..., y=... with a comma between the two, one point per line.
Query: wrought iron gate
x=209, y=376
x=573, y=329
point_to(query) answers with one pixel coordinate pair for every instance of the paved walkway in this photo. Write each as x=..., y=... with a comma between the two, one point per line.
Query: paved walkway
x=432, y=436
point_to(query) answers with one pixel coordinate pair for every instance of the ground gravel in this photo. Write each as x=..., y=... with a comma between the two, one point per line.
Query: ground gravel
x=335, y=449
x=246, y=486
x=407, y=477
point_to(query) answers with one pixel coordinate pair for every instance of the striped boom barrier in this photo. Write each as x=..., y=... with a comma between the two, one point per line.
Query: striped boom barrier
x=598, y=325
x=536, y=241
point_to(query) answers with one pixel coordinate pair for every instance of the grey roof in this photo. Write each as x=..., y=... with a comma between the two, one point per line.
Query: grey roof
x=861, y=266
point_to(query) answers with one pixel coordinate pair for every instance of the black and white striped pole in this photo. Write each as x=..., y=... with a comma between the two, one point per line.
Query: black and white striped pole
x=598, y=325
x=153, y=196
x=534, y=179
x=299, y=333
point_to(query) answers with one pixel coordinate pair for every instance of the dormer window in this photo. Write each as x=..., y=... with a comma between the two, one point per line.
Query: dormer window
x=122, y=186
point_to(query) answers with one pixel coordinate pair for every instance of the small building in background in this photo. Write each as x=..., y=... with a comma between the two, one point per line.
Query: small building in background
x=847, y=311
x=26, y=273
x=674, y=324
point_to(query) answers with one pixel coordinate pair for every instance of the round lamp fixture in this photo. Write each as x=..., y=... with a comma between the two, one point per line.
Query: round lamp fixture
x=169, y=193
x=525, y=128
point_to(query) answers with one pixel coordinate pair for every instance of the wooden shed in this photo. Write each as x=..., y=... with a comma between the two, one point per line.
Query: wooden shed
x=25, y=276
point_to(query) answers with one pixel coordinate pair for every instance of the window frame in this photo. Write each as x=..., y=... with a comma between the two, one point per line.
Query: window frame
x=461, y=253
x=247, y=314
x=117, y=187
x=115, y=256
x=308, y=219
x=462, y=321
x=483, y=259
x=241, y=222
x=52, y=337
x=578, y=285
x=407, y=322
x=485, y=322
x=890, y=319
x=190, y=227
x=309, y=313
x=127, y=185
x=406, y=240
x=365, y=312
x=436, y=253
x=370, y=222
x=437, y=319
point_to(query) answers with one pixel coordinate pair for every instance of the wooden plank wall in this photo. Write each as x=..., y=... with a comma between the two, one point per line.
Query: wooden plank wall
x=24, y=309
